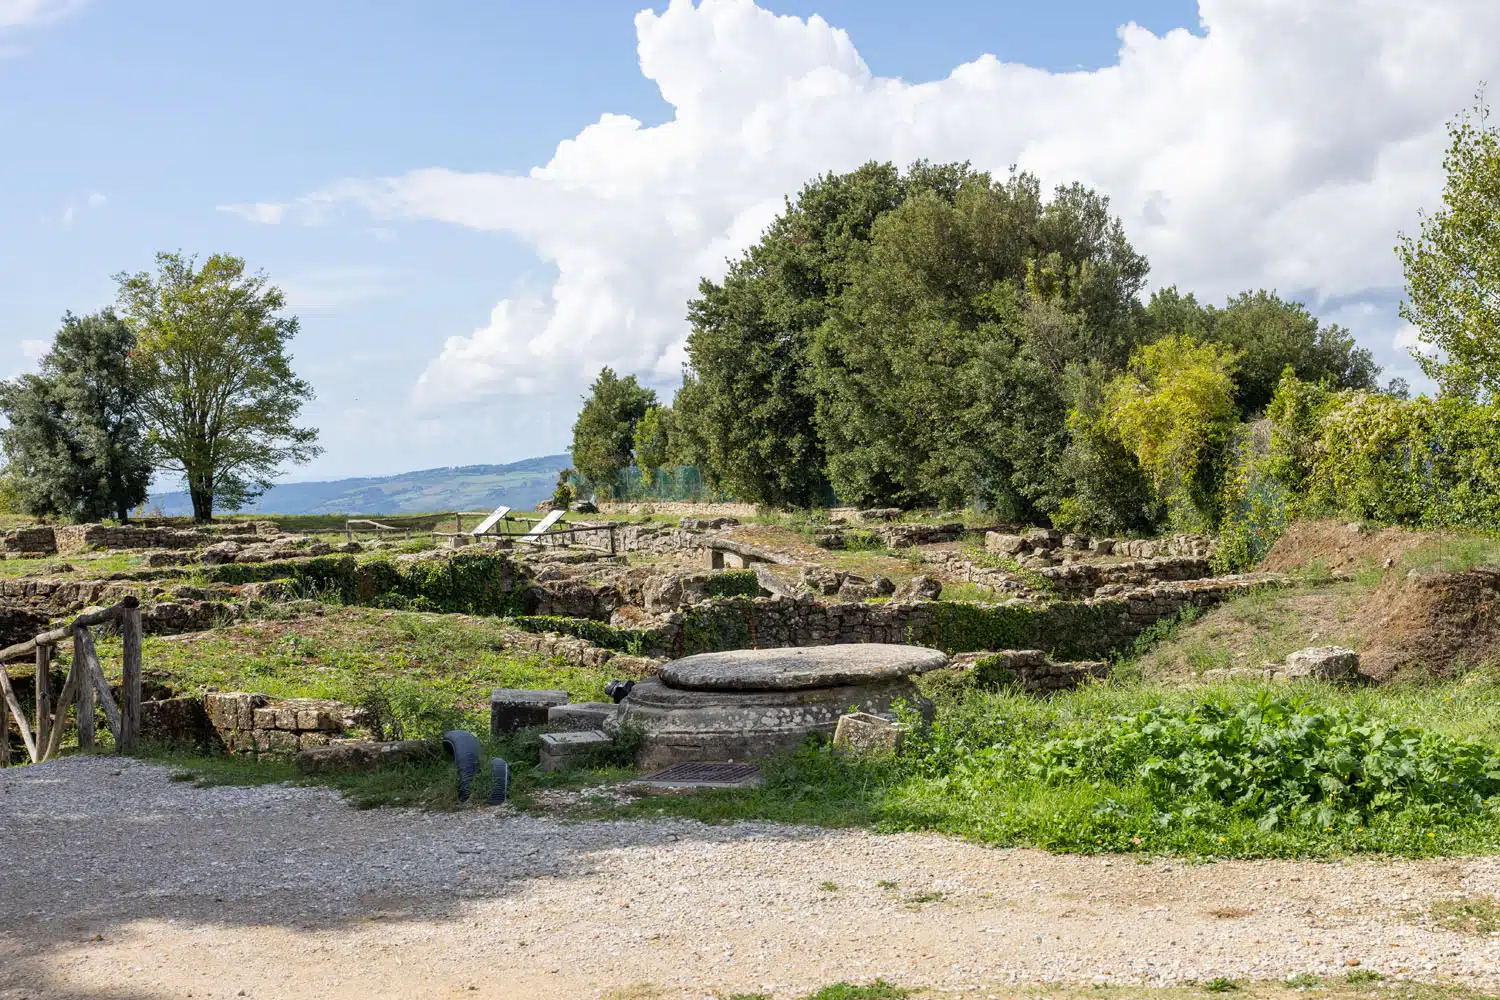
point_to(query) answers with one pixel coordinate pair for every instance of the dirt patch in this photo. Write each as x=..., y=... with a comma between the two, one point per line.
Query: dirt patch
x=1431, y=624
x=287, y=892
x=1341, y=548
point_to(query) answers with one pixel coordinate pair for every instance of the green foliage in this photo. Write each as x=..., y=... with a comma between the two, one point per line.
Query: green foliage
x=74, y=442
x=1256, y=505
x=878, y=990
x=940, y=367
x=746, y=404
x=562, y=496
x=217, y=387
x=1110, y=493
x=734, y=583
x=1453, y=269
x=482, y=583
x=604, y=433
x=1278, y=762
x=601, y=634
x=1227, y=772
x=1269, y=335
x=1419, y=462
x=653, y=440
x=1173, y=410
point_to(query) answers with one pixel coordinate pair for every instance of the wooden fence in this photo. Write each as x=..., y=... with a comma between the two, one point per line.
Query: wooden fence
x=85, y=683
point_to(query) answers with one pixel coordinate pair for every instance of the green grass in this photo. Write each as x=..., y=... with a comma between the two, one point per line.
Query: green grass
x=1314, y=772
x=970, y=592
x=438, y=670
x=1473, y=915
x=89, y=567
x=1455, y=554
x=1249, y=630
x=878, y=990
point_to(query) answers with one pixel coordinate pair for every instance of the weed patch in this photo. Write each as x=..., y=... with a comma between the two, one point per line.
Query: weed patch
x=1231, y=772
x=1474, y=915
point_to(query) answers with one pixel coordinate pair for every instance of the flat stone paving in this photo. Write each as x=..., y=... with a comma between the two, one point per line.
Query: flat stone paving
x=801, y=667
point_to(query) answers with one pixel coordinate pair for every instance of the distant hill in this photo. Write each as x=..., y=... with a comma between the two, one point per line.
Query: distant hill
x=471, y=487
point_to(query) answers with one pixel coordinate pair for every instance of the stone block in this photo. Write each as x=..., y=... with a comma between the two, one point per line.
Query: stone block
x=320, y=718
x=512, y=709
x=232, y=709
x=307, y=741
x=866, y=732
x=361, y=755
x=1328, y=663
x=560, y=751
x=585, y=715
x=267, y=718
x=275, y=741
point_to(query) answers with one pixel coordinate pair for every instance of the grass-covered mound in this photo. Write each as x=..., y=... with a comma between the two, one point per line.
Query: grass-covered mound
x=1231, y=771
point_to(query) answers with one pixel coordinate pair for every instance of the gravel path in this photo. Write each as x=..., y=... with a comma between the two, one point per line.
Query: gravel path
x=116, y=882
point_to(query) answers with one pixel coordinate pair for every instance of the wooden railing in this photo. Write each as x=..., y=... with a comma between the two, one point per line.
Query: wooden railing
x=84, y=683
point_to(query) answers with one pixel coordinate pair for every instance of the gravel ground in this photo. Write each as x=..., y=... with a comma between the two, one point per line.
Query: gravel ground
x=116, y=882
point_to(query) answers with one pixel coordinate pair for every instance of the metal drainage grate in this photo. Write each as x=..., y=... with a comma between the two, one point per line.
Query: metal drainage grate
x=709, y=775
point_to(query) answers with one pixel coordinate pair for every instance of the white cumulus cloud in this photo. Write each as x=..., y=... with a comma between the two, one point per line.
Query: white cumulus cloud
x=1284, y=146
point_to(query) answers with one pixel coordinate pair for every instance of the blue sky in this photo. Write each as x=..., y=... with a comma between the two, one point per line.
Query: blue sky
x=129, y=128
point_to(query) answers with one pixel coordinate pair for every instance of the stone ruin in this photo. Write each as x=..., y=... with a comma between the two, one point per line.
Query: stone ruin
x=747, y=704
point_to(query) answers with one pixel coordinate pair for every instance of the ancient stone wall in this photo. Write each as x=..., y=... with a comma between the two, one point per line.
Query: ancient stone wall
x=1072, y=629
x=86, y=537
x=36, y=541
x=1088, y=579
x=253, y=723
x=1030, y=670
x=649, y=538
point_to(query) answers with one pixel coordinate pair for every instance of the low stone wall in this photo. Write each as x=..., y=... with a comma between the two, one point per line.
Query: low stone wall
x=1087, y=579
x=241, y=722
x=650, y=538
x=161, y=614
x=1038, y=541
x=1071, y=629
x=38, y=541
x=1030, y=670
x=85, y=537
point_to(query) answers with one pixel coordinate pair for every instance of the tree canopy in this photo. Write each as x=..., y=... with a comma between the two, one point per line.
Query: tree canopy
x=1453, y=268
x=75, y=443
x=216, y=383
x=604, y=433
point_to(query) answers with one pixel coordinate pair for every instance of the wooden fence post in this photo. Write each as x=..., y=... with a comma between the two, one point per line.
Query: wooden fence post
x=42, y=685
x=15, y=709
x=83, y=640
x=4, y=735
x=85, y=691
x=49, y=749
x=130, y=681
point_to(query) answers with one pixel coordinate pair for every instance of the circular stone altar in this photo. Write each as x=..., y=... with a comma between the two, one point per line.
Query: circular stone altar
x=749, y=703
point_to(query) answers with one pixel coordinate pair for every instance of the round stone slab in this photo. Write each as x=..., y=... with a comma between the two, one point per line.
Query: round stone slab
x=797, y=668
